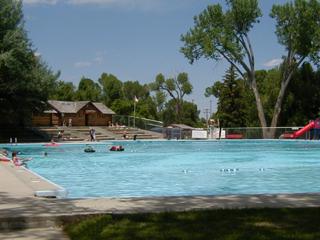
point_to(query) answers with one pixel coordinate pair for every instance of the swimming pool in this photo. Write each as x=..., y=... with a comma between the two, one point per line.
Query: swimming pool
x=179, y=168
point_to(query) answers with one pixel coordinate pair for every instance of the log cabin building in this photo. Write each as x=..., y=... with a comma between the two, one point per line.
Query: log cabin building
x=78, y=113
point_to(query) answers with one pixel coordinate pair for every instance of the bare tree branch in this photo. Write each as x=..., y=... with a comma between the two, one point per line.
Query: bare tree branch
x=232, y=63
x=251, y=52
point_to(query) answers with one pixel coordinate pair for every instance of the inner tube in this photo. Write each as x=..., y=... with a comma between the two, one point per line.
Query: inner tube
x=89, y=150
x=116, y=148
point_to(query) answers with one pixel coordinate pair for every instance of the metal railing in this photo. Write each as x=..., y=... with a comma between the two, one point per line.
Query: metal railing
x=256, y=132
x=14, y=135
x=142, y=123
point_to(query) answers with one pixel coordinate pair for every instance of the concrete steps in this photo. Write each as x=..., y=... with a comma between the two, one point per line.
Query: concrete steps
x=102, y=133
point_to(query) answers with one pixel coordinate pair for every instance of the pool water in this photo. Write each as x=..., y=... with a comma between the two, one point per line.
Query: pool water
x=179, y=168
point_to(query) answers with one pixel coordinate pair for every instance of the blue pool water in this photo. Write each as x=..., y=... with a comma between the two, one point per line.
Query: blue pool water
x=175, y=168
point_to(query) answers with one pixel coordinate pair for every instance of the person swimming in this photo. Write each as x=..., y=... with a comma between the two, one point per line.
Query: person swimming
x=89, y=149
x=18, y=161
x=117, y=148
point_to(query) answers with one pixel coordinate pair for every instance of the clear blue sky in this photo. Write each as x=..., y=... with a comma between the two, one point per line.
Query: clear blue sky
x=133, y=39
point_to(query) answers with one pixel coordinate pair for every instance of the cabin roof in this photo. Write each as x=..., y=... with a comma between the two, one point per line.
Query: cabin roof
x=103, y=108
x=76, y=106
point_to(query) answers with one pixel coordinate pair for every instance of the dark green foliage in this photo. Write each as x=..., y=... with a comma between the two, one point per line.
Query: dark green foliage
x=232, y=103
x=302, y=102
x=64, y=91
x=122, y=107
x=303, y=98
x=132, y=89
x=246, y=224
x=25, y=81
x=189, y=113
x=176, y=110
x=219, y=34
x=298, y=28
x=145, y=107
x=111, y=88
x=88, y=90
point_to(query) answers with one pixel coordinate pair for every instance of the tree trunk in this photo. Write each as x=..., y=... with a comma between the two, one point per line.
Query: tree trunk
x=178, y=110
x=263, y=122
x=277, y=106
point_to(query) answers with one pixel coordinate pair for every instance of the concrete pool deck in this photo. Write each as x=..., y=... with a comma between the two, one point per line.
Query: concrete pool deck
x=20, y=209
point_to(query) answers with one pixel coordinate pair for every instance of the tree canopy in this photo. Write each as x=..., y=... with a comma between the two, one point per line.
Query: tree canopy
x=64, y=91
x=219, y=34
x=232, y=104
x=88, y=90
x=111, y=88
x=25, y=80
x=301, y=103
x=175, y=88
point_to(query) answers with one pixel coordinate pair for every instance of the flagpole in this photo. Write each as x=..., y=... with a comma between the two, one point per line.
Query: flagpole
x=134, y=114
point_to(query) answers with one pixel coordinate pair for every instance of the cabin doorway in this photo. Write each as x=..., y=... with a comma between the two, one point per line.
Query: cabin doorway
x=87, y=119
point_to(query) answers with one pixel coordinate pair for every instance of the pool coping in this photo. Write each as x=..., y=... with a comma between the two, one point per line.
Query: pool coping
x=20, y=177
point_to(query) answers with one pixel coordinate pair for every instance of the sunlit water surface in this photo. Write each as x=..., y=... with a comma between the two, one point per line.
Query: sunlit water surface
x=176, y=168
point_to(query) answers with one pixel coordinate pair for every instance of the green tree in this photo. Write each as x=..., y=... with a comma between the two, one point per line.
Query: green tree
x=88, y=90
x=225, y=35
x=122, y=106
x=189, y=113
x=232, y=105
x=111, y=88
x=132, y=89
x=176, y=88
x=145, y=107
x=64, y=91
x=25, y=80
x=159, y=99
x=302, y=98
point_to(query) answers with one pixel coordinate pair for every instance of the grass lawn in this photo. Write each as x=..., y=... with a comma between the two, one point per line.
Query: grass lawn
x=246, y=224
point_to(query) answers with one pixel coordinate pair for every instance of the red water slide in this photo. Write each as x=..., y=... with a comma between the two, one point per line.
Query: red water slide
x=300, y=131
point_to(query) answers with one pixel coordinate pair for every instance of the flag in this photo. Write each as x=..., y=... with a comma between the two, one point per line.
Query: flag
x=136, y=99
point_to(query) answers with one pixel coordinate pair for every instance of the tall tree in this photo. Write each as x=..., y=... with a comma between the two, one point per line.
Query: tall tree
x=302, y=101
x=88, y=90
x=232, y=104
x=176, y=88
x=64, y=91
x=132, y=89
x=225, y=35
x=189, y=113
x=145, y=107
x=125, y=105
x=25, y=80
x=160, y=100
x=111, y=88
